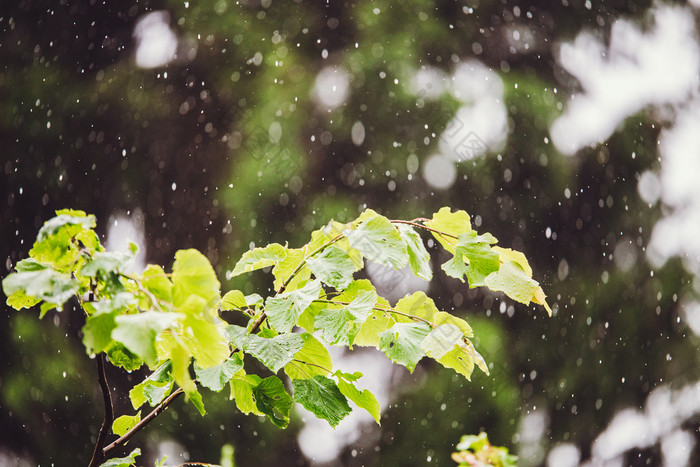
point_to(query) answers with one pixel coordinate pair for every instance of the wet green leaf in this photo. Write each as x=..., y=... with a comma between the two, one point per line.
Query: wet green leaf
x=379, y=241
x=402, y=343
x=321, y=396
x=258, y=258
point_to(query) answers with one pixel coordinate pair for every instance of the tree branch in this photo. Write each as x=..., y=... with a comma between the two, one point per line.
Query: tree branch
x=142, y=424
x=421, y=226
x=98, y=455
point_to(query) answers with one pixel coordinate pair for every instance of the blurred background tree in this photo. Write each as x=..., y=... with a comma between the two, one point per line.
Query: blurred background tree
x=221, y=125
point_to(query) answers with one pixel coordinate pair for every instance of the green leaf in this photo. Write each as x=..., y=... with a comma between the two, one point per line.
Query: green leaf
x=97, y=332
x=274, y=352
x=284, y=310
x=459, y=360
x=154, y=388
x=138, y=332
x=379, y=241
x=43, y=284
x=474, y=257
x=332, y=266
x=417, y=304
x=104, y=263
x=121, y=357
x=508, y=254
x=123, y=424
x=441, y=340
x=20, y=299
x=66, y=217
x=313, y=359
x=307, y=319
x=193, y=275
x=321, y=396
x=156, y=281
x=402, y=343
x=329, y=232
x=418, y=256
x=272, y=400
x=242, y=392
x=216, y=377
x=196, y=399
x=123, y=461
x=340, y=325
x=363, y=399
x=513, y=280
x=203, y=332
x=233, y=300
x=442, y=317
x=283, y=269
x=258, y=258
x=57, y=241
x=452, y=223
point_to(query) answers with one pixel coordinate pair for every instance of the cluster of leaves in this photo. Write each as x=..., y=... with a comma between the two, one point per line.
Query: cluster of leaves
x=477, y=451
x=172, y=322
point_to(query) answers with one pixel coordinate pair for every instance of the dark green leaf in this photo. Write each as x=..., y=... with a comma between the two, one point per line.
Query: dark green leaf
x=321, y=396
x=121, y=357
x=272, y=400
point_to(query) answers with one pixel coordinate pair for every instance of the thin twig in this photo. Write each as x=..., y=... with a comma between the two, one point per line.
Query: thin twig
x=306, y=257
x=145, y=421
x=421, y=226
x=143, y=289
x=99, y=454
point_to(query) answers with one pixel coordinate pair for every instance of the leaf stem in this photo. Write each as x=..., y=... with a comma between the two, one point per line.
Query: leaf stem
x=143, y=289
x=303, y=261
x=145, y=421
x=312, y=364
x=99, y=454
x=421, y=226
